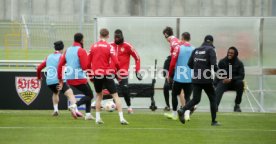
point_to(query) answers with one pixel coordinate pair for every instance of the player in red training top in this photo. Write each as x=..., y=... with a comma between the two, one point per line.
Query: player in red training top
x=174, y=48
x=124, y=50
x=101, y=55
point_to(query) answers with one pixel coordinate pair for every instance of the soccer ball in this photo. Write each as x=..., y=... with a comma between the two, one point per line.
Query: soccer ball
x=110, y=106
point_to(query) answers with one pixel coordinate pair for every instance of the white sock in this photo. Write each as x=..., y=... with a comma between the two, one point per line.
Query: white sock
x=121, y=116
x=174, y=113
x=98, y=116
x=129, y=107
x=74, y=106
x=56, y=107
x=87, y=114
x=77, y=109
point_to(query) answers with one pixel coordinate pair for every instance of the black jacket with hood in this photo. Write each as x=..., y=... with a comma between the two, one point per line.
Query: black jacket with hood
x=236, y=64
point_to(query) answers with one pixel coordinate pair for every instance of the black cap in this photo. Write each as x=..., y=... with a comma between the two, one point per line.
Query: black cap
x=59, y=45
x=208, y=38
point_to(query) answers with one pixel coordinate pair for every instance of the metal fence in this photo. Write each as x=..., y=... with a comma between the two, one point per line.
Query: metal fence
x=253, y=36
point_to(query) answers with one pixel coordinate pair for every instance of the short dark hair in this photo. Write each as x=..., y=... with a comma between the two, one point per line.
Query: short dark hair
x=58, y=45
x=168, y=31
x=104, y=32
x=118, y=31
x=186, y=36
x=78, y=37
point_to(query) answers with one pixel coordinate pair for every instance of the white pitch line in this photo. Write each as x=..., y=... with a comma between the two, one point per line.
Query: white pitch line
x=124, y=128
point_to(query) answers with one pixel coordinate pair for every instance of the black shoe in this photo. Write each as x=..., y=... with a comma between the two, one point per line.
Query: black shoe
x=215, y=123
x=167, y=108
x=181, y=116
x=237, y=108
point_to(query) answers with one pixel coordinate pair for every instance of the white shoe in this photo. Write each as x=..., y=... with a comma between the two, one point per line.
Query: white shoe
x=99, y=122
x=89, y=117
x=124, y=122
x=187, y=115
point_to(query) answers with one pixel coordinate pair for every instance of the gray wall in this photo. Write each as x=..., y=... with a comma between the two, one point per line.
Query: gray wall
x=13, y=9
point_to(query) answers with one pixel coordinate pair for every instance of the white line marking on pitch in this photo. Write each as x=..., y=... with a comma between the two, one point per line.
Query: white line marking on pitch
x=178, y=129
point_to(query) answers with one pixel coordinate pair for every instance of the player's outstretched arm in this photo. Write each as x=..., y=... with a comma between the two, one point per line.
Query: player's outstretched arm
x=40, y=68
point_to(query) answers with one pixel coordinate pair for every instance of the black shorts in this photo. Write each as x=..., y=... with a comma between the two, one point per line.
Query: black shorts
x=84, y=89
x=104, y=82
x=177, y=87
x=53, y=88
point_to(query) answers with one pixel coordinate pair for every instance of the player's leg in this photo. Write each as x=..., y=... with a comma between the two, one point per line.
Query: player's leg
x=197, y=90
x=125, y=92
x=238, y=85
x=220, y=89
x=166, y=90
x=55, y=98
x=98, y=85
x=176, y=90
x=110, y=85
x=210, y=91
x=187, y=88
x=71, y=97
x=86, y=90
x=182, y=97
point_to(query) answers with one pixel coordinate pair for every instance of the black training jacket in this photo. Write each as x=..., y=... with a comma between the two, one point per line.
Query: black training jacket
x=237, y=68
x=201, y=61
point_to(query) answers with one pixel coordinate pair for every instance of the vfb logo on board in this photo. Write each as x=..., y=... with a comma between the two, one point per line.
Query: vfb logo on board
x=27, y=88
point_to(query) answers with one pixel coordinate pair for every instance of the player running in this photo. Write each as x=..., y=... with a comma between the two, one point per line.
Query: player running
x=51, y=64
x=124, y=50
x=75, y=58
x=180, y=72
x=100, y=56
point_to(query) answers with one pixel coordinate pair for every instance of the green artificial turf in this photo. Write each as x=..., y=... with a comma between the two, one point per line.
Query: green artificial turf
x=39, y=127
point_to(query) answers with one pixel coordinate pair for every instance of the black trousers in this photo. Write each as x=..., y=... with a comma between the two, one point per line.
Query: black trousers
x=166, y=90
x=86, y=90
x=235, y=85
x=210, y=91
x=176, y=90
x=123, y=85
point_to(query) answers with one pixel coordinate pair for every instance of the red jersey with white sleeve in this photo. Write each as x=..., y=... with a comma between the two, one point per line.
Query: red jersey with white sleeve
x=175, y=47
x=100, y=57
x=124, y=51
x=82, y=56
x=40, y=68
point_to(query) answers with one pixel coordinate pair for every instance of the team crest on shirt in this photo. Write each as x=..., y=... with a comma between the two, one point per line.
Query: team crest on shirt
x=27, y=88
x=122, y=49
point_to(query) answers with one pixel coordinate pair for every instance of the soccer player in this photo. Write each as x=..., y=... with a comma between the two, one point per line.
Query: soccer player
x=167, y=86
x=51, y=64
x=101, y=55
x=174, y=44
x=203, y=60
x=75, y=58
x=180, y=72
x=124, y=50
